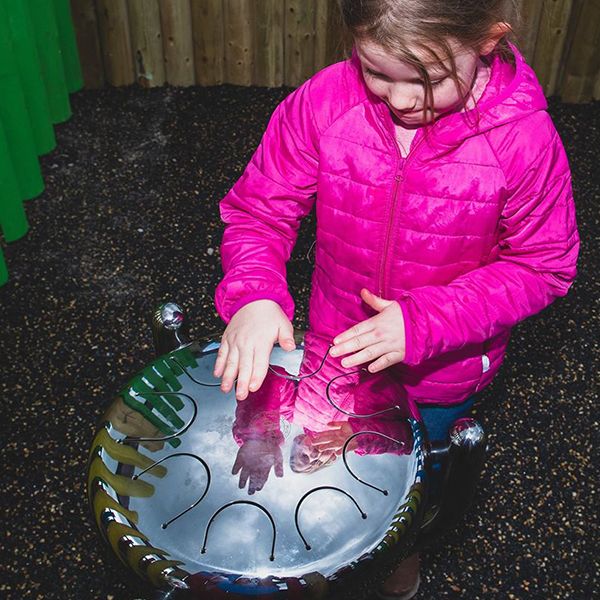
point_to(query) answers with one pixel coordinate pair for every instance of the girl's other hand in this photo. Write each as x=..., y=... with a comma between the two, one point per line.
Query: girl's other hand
x=247, y=343
x=380, y=339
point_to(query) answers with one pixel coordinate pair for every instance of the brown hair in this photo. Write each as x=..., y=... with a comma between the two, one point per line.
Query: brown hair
x=402, y=27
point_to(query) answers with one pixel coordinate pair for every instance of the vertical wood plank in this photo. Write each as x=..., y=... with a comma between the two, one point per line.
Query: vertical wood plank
x=322, y=14
x=113, y=24
x=570, y=41
x=268, y=43
x=331, y=40
x=299, y=40
x=178, y=48
x=550, y=45
x=582, y=64
x=527, y=35
x=339, y=41
x=146, y=42
x=85, y=22
x=209, y=43
x=239, y=55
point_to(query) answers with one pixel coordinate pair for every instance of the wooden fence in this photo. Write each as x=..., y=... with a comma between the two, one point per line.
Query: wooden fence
x=282, y=42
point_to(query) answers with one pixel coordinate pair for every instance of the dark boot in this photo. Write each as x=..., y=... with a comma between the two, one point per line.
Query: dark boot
x=403, y=583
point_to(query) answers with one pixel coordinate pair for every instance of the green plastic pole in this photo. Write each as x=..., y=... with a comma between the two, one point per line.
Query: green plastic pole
x=28, y=64
x=68, y=45
x=13, y=220
x=15, y=118
x=53, y=73
x=3, y=269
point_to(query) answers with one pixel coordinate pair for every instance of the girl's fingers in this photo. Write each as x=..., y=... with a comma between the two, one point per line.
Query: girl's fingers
x=231, y=369
x=385, y=361
x=368, y=354
x=358, y=329
x=285, y=337
x=244, y=373
x=373, y=300
x=356, y=343
x=261, y=366
x=221, y=358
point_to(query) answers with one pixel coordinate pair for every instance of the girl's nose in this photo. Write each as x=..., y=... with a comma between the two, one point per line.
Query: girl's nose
x=401, y=100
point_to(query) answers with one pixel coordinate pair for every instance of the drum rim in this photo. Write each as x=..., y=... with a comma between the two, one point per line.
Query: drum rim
x=159, y=571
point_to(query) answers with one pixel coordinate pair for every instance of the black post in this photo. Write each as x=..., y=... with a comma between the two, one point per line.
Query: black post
x=462, y=460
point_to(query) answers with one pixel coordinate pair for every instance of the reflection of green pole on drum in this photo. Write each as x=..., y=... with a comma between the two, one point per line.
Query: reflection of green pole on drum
x=28, y=64
x=13, y=221
x=68, y=45
x=49, y=52
x=15, y=119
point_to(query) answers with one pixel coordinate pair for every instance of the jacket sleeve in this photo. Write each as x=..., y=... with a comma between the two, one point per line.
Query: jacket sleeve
x=535, y=261
x=262, y=211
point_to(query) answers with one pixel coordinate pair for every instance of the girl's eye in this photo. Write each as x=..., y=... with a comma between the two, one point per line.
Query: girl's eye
x=376, y=75
x=433, y=83
x=383, y=77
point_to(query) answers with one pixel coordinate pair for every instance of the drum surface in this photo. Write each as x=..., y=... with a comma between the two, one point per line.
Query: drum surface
x=188, y=485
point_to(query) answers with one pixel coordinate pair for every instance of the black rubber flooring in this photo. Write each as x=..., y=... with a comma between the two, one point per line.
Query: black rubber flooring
x=129, y=219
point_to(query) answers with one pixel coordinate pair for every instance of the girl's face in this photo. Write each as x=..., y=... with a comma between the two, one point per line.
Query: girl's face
x=402, y=88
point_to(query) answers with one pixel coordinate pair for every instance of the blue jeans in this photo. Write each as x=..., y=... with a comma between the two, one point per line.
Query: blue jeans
x=438, y=419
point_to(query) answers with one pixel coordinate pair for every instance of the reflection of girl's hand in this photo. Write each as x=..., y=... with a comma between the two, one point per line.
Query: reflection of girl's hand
x=380, y=339
x=254, y=461
x=247, y=343
x=332, y=439
x=318, y=449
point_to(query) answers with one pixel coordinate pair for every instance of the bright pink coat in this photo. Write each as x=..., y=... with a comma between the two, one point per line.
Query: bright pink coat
x=473, y=232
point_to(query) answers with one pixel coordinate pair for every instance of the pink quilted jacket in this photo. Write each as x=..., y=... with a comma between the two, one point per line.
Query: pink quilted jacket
x=471, y=233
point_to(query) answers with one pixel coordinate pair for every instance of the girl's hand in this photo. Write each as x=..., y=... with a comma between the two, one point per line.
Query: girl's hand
x=380, y=339
x=247, y=343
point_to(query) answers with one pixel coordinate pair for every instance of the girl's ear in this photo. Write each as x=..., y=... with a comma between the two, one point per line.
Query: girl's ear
x=496, y=33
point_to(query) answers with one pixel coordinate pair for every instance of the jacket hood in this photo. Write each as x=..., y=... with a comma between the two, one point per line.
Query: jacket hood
x=512, y=93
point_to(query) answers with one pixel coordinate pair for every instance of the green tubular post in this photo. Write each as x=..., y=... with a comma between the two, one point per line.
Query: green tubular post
x=68, y=45
x=53, y=73
x=28, y=64
x=13, y=220
x=15, y=118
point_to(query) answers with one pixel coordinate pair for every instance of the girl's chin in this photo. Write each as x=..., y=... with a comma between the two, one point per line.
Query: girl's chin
x=408, y=120
x=415, y=119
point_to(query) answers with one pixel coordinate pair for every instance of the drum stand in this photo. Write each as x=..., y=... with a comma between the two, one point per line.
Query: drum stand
x=461, y=460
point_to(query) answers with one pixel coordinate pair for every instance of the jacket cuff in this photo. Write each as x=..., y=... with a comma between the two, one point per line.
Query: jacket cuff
x=286, y=304
x=412, y=349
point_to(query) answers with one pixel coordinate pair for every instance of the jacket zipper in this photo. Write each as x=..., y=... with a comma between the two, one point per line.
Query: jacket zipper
x=388, y=232
x=398, y=184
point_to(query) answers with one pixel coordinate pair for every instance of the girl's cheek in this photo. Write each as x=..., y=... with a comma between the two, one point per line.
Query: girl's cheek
x=374, y=85
x=445, y=99
x=376, y=89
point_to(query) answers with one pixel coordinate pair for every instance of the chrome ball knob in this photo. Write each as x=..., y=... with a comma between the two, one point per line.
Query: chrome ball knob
x=169, y=315
x=467, y=432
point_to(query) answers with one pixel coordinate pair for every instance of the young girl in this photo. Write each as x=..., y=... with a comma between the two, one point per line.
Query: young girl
x=444, y=212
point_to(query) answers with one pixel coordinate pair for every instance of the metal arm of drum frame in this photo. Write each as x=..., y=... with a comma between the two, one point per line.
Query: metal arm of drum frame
x=461, y=459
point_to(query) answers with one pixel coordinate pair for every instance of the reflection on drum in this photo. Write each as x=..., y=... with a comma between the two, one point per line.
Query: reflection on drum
x=207, y=497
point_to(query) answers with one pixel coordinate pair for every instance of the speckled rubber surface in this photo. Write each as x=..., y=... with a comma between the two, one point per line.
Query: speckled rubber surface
x=128, y=219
